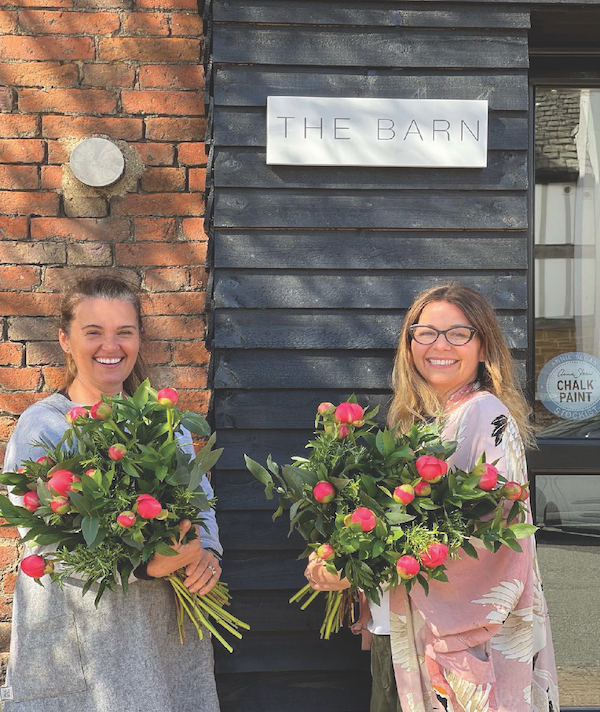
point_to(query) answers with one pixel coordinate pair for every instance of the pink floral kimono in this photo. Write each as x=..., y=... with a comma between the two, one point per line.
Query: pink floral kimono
x=480, y=643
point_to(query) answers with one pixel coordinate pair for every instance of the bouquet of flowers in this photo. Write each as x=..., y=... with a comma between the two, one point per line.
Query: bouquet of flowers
x=112, y=493
x=382, y=508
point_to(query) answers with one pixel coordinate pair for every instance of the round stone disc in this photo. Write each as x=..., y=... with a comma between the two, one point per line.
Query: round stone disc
x=97, y=162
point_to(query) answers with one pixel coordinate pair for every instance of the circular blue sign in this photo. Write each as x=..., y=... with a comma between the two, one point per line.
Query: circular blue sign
x=569, y=386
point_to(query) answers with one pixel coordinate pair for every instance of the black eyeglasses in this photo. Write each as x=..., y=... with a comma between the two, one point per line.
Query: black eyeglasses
x=427, y=335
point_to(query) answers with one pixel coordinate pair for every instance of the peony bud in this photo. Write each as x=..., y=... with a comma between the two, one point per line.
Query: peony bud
x=408, y=567
x=350, y=413
x=404, y=494
x=324, y=492
x=434, y=555
x=91, y=472
x=31, y=501
x=148, y=506
x=512, y=490
x=36, y=566
x=325, y=552
x=60, y=505
x=325, y=407
x=342, y=432
x=164, y=513
x=524, y=494
x=365, y=518
x=61, y=482
x=45, y=460
x=126, y=519
x=101, y=411
x=117, y=452
x=431, y=468
x=76, y=412
x=21, y=470
x=489, y=476
x=167, y=397
x=422, y=488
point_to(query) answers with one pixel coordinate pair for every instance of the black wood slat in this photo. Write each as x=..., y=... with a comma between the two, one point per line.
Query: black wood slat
x=271, y=610
x=240, y=329
x=255, y=530
x=246, y=126
x=239, y=489
x=250, y=86
x=445, y=210
x=406, y=14
x=360, y=47
x=347, y=290
x=247, y=168
x=258, y=571
x=365, y=249
x=296, y=692
x=258, y=444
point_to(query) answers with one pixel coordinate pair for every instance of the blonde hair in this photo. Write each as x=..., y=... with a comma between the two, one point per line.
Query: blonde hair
x=415, y=400
x=100, y=287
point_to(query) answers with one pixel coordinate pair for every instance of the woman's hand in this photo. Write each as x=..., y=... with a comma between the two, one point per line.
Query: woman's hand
x=320, y=579
x=187, y=554
x=204, y=574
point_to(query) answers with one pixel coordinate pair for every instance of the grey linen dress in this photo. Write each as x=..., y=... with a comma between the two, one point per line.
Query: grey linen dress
x=66, y=655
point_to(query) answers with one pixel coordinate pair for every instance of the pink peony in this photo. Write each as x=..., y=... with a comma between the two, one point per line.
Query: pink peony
x=342, y=432
x=408, y=567
x=422, y=488
x=76, y=412
x=31, y=501
x=61, y=482
x=45, y=460
x=404, y=494
x=117, y=452
x=512, y=490
x=350, y=413
x=167, y=397
x=489, y=476
x=91, y=472
x=60, y=505
x=36, y=566
x=325, y=552
x=126, y=519
x=324, y=492
x=431, y=468
x=101, y=411
x=325, y=408
x=365, y=518
x=524, y=494
x=434, y=555
x=148, y=506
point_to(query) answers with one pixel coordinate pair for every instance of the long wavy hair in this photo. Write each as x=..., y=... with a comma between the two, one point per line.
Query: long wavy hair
x=102, y=286
x=415, y=400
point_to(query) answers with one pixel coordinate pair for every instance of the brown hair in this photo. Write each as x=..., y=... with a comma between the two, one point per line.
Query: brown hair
x=415, y=400
x=102, y=286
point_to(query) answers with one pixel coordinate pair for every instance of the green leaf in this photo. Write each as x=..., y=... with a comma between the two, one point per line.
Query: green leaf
x=164, y=549
x=398, y=515
x=89, y=529
x=512, y=544
x=261, y=474
x=469, y=549
x=522, y=531
x=140, y=397
x=195, y=424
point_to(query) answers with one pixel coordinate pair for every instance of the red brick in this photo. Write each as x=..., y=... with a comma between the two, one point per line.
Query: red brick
x=20, y=277
x=146, y=23
x=155, y=154
x=32, y=253
x=174, y=303
x=16, y=203
x=13, y=228
x=10, y=579
x=161, y=180
x=155, y=229
x=177, y=327
x=54, y=378
x=174, y=76
x=83, y=126
x=40, y=74
x=8, y=555
x=93, y=229
x=18, y=177
x=198, y=402
x=8, y=22
x=54, y=281
x=42, y=22
x=192, y=352
x=44, y=353
x=191, y=154
x=161, y=280
x=18, y=126
x=29, y=303
x=193, y=229
x=11, y=354
x=108, y=75
x=21, y=150
x=52, y=177
x=177, y=103
x=7, y=99
x=186, y=25
x=19, y=379
x=5, y=608
x=36, y=48
x=166, y=204
x=175, y=129
x=197, y=179
x=58, y=151
x=93, y=101
x=198, y=277
x=6, y=427
x=156, y=352
x=179, y=376
x=95, y=254
x=171, y=254
x=38, y=3
x=146, y=49
x=168, y=4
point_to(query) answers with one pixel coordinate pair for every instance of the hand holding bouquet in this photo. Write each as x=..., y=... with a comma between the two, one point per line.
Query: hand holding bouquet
x=117, y=492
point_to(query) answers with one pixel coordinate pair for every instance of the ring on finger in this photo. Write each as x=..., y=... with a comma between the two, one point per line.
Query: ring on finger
x=212, y=569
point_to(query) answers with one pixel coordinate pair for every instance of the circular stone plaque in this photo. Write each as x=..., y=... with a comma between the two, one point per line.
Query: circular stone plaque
x=569, y=386
x=97, y=162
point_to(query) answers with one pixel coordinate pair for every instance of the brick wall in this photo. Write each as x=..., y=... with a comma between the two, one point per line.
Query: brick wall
x=128, y=71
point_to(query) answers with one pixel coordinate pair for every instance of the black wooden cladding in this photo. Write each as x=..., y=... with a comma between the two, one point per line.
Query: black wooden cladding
x=314, y=268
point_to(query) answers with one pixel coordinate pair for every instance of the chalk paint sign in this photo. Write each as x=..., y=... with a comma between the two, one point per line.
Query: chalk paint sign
x=569, y=386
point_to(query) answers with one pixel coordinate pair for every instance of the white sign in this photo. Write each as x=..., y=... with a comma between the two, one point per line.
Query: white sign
x=417, y=133
x=569, y=386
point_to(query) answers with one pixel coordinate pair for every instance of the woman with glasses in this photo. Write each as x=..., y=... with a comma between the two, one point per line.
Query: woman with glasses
x=481, y=642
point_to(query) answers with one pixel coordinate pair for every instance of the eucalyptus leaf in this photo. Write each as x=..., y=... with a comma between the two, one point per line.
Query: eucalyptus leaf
x=89, y=529
x=522, y=531
x=261, y=474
